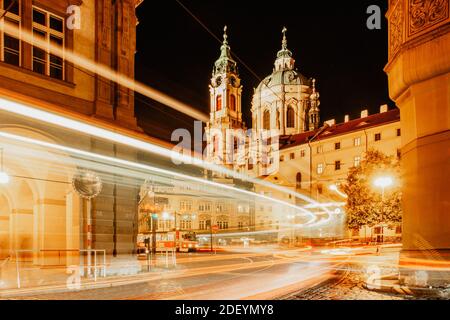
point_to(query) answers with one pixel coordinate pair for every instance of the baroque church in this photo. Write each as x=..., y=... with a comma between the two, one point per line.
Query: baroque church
x=285, y=102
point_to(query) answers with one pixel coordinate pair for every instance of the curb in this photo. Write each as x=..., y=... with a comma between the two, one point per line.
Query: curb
x=405, y=290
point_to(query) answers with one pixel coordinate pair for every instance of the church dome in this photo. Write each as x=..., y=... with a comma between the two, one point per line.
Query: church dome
x=283, y=77
x=284, y=72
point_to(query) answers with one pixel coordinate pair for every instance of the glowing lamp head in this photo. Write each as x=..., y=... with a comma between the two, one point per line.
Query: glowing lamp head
x=4, y=177
x=165, y=215
x=383, y=182
x=333, y=187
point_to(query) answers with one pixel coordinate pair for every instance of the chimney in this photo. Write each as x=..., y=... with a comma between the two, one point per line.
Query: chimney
x=384, y=108
x=346, y=118
x=364, y=113
x=331, y=122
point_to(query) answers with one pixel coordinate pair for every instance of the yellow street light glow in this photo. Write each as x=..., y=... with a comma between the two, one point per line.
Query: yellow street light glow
x=165, y=215
x=4, y=177
x=333, y=187
x=383, y=182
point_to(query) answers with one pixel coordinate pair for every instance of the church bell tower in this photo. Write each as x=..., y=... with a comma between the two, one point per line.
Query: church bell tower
x=225, y=108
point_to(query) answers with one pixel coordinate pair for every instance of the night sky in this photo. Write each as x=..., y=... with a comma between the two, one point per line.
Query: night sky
x=329, y=41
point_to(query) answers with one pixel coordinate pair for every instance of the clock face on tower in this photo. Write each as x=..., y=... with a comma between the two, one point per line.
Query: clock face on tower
x=218, y=81
x=233, y=81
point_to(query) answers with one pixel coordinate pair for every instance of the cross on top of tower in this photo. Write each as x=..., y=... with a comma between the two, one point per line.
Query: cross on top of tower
x=225, y=36
x=284, y=42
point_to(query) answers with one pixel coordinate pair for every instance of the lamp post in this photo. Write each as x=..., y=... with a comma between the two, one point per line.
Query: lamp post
x=383, y=182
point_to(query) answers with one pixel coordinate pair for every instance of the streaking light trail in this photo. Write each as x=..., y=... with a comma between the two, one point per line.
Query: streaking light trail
x=34, y=113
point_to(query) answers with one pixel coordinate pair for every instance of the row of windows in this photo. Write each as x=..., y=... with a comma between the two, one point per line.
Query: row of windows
x=290, y=119
x=48, y=33
x=337, y=146
x=232, y=102
x=356, y=141
x=338, y=165
x=204, y=225
x=204, y=206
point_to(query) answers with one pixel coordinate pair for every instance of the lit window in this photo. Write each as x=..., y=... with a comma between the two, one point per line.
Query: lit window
x=10, y=49
x=377, y=136
x=219, y=102
x=185, y=205
x=292, y=156
x=186, y=224
x=357, y=161
x=302, y=153
x=233, y=102
x=337, y=165
x=320, y=168
x=222, y=224
x=48, y=29
x=357, y=142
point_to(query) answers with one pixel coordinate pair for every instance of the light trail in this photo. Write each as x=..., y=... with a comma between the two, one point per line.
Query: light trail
x=64, y=122
x=130, y=83
x=147, y=168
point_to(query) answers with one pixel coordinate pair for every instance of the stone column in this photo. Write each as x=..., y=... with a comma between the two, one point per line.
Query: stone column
x=419, y=83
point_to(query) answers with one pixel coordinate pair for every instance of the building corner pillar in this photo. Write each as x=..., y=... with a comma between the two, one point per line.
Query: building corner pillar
x=419, y=83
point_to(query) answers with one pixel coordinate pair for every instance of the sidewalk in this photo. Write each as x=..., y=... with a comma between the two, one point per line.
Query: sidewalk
x=34, y=279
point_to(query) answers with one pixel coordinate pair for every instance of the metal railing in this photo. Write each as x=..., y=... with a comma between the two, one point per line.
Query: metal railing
x=89, y=267
x=103, y=265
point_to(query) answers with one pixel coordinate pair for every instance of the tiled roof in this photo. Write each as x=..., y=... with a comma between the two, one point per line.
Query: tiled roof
x=341, y=128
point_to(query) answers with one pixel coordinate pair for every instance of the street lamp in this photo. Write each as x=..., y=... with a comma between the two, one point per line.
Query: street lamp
x=383, y=182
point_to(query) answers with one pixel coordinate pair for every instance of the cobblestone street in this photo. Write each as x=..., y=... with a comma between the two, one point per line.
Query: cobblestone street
x=348, y=286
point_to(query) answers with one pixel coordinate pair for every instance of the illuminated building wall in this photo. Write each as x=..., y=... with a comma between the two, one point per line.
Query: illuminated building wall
x=37, y=212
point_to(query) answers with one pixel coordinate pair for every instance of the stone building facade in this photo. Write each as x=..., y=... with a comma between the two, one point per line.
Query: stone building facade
x=40, y=211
